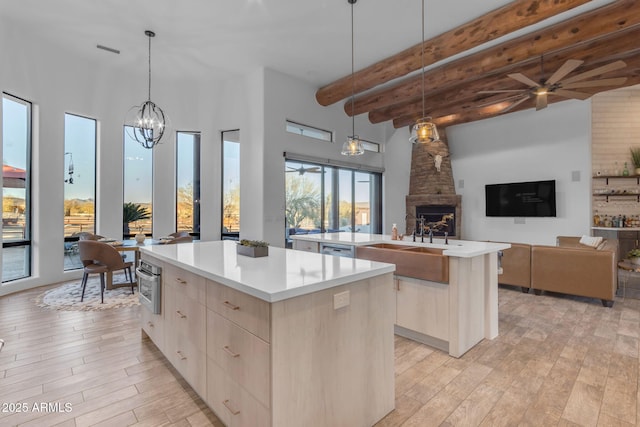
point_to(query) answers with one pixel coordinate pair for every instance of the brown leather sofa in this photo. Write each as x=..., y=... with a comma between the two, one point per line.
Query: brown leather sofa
x=575, y=269
x=516, y=266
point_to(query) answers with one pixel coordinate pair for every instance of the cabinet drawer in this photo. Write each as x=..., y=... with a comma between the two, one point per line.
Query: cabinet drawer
x=301, y=245
x=186, y=318
x=246, y=311
x=184, y=282
x=189, y=361
x=231, y=403
x=153, y=325
x=242, y=355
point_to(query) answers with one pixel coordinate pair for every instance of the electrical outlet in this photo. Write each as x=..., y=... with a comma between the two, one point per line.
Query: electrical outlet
x=341, y=300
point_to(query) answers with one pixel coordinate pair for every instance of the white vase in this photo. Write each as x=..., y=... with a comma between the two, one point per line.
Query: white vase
x=635, y=260
x=140, y=237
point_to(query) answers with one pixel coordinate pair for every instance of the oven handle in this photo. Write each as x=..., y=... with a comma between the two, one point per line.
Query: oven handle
x=145, y=275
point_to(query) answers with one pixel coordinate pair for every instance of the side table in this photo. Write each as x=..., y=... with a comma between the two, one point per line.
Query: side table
x=629, y=268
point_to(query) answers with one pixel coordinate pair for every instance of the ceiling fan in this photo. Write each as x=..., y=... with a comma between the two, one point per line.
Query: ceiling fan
x=557, y=85
x=302, y=170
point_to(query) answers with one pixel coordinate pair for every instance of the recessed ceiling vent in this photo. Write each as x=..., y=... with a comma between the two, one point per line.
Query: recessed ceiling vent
x=108, y=49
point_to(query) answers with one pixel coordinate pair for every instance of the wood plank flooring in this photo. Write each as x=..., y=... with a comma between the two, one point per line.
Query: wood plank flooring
x=559, y=361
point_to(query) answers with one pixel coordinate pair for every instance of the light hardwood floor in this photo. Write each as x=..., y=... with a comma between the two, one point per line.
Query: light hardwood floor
x=558, y=361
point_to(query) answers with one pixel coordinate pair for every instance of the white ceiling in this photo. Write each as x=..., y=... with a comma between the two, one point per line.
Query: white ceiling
x=308, y=39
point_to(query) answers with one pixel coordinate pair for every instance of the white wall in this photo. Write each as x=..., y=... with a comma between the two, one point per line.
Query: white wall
x=553, y=143
x=523, y=146
x=57, y=82
x=290, y=98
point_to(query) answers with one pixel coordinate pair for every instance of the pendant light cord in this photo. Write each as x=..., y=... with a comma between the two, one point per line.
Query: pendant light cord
x=148, y=35
x=353, y=77
x=422, y=58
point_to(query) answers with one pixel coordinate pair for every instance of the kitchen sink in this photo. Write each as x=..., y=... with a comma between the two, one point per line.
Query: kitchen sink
x=411, y=261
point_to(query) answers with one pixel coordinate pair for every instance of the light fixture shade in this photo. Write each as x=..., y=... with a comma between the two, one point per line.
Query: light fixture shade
x=352, y=146
x=146, y=124
x=424, y=131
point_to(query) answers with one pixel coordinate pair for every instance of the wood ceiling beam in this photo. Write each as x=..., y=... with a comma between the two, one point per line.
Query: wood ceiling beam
x=505, y=56
x=619, y=45
x=470, y=113
x=511, y=17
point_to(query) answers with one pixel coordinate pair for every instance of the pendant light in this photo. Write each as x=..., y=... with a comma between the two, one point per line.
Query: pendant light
x=353, y=145
x=146, y=123
x=424, y=130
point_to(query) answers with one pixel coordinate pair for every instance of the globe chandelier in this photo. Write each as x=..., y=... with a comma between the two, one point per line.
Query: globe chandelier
x=147, y=122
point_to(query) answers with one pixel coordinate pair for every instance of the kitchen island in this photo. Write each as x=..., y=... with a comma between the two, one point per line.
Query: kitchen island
x=290, y=339
x=453, y=312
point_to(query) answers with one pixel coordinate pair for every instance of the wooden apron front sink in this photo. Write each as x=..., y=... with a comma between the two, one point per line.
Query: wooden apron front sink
x=411, y=261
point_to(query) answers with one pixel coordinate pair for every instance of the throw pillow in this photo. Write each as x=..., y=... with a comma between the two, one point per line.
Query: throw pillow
x=591, y=241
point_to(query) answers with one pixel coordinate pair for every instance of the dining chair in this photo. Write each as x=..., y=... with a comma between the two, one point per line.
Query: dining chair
x=101, y=258
x=181, y=239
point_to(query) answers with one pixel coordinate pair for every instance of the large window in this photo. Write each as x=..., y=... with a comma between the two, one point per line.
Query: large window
x=138, y=185
x=79, y=184
x=16, y=188
x=322, y=198
x=188, y=182
x=230, y=184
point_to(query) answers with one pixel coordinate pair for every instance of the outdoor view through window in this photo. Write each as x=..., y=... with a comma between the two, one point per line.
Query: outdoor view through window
x=16, y=148
x=230, y=184
x=321, y=198
x=138, y=187
x=79, y=184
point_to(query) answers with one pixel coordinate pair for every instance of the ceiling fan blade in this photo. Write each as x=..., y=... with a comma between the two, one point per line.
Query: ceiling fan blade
x=504, y=91
x=572, y=94
x=523, y=79
x=541, y=101
x=595, y=83
x=596, y=71
x=515, y=104
x=565, y=69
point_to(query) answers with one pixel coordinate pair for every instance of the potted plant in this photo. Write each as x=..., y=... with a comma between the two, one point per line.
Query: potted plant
x=133, y=212
x=253, y=248
x=634, y=256
x=635, y=157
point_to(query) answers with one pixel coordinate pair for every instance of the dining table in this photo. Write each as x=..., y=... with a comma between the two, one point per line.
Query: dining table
x=130, y=246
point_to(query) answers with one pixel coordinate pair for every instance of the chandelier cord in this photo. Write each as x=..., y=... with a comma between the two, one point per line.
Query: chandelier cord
x=149, y=67
x=422, y=58
x=353, y=78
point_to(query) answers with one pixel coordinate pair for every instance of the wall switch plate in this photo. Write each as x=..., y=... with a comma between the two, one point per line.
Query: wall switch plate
x=461, y=183
x=341, y=300
x=518, y=220
x=575, y=176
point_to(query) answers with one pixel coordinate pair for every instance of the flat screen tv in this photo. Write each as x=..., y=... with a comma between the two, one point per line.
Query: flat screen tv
x=530, y=199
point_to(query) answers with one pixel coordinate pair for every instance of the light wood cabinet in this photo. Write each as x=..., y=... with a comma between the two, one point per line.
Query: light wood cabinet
x=246, y=311
x=299, y=361
x=242, y=355
x=153, y=325
x=303, y=245
x=184, y=329
x=423, y=306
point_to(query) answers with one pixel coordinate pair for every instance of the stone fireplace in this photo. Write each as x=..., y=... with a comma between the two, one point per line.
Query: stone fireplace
x=432, y=192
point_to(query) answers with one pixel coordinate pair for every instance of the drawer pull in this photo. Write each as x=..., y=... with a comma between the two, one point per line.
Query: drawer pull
x=182, y=282
x=229, y=352
x=231, y=306
x=182, y=356
x=182, y=316
x=227, y=404
x=151, y=325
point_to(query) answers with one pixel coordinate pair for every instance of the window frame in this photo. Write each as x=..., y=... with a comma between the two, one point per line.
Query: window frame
x=196, y=194
x=28, y=230
x=226, y=235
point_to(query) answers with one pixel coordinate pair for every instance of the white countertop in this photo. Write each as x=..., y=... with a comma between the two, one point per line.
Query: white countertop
x=281, y=275
x=617, y=228
x=455, y=248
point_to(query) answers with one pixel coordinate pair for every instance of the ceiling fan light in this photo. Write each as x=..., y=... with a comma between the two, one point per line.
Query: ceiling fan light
x=352, y=146
x=424, y=131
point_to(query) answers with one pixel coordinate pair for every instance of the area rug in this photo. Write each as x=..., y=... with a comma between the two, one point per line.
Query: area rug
x=67, y=296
